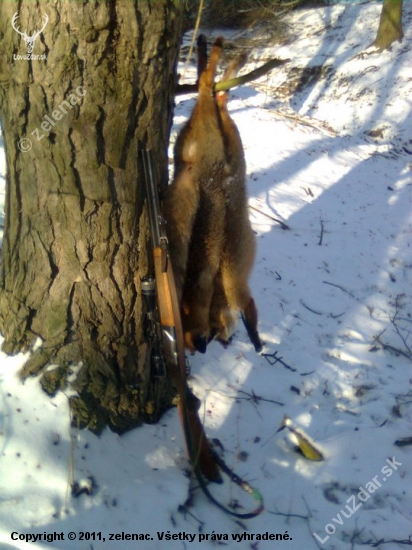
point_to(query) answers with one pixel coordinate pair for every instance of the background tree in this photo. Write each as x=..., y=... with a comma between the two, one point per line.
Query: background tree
x=390, y=24
x=76, y=239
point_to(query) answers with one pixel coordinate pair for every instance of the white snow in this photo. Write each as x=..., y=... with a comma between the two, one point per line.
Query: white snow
x=325, y=290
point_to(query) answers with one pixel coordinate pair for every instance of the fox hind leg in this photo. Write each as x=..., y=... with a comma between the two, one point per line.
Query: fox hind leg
x=239, y=298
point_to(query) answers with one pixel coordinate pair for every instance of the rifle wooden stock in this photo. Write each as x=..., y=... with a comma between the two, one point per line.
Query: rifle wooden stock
x=197, y=444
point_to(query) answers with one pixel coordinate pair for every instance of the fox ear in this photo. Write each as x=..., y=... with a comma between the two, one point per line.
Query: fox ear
x=207, y=77
x=234, y=66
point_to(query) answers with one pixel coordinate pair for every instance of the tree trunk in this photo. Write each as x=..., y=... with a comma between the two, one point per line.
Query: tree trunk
x=76, y=232
x=390, y=25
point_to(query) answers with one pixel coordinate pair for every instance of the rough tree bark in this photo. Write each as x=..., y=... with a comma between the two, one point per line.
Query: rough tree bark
x=390, y=25
x=76, y=236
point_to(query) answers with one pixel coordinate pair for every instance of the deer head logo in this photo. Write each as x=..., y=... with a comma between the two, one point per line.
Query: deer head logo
x=28, y=39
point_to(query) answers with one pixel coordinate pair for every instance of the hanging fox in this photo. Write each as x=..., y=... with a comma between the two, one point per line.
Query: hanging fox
x=211, y=242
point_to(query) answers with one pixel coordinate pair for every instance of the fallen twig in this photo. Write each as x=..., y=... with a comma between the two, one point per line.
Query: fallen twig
x=336, y=315
x=403, y=442
x=283, y=514
x=256, y=399
x=388, y=347
x=308, y=522
x=302, y=303
x=395, y=318
x=283, y=225
x=340, y=288
x=407, y=352
x=321, y=232
x=305, y=121
x=272, y=359
x=375, y=544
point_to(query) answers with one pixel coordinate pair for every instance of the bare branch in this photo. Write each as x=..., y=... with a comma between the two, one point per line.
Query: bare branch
x=407, y=352
x=322, y=230
x=395, y=318
x=283, y=225
x=340, y=288
x=272, y=359
x=256, y=399
x=234, y=82
x=392, y=349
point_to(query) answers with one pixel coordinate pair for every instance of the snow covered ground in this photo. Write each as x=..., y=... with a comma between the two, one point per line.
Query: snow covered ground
x=333, y=160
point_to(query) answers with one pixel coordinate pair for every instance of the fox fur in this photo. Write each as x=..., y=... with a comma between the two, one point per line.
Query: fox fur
x=211, y=242
x=194, y=207
x=231, y=292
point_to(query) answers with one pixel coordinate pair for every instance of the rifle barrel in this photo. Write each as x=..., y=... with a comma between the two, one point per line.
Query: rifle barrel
x=152, y=197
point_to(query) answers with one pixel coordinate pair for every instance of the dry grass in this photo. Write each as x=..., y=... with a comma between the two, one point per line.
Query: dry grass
x=241, y=13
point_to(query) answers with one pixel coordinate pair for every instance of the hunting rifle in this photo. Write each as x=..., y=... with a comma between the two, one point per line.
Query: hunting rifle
x=168, y=352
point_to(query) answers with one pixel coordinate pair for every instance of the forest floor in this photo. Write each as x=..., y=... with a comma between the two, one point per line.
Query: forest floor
x=328, y=144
